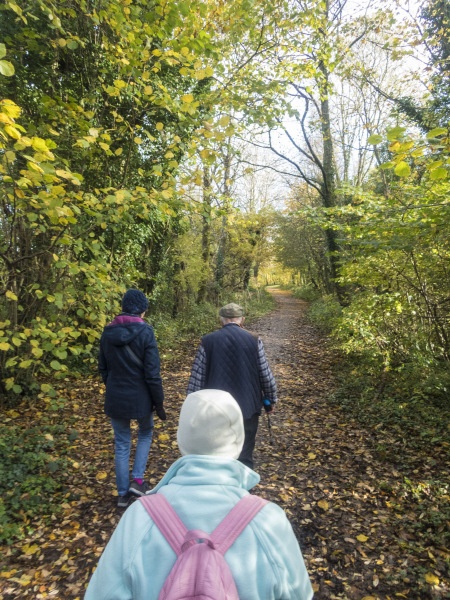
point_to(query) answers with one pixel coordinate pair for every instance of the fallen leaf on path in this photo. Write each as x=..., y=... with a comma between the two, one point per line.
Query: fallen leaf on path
x=432, y=579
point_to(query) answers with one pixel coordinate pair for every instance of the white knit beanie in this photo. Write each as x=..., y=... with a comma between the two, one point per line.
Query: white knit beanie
x=211, y=423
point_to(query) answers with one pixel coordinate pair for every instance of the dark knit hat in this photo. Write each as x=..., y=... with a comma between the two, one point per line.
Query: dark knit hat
x=134, y=302
x=232, y=310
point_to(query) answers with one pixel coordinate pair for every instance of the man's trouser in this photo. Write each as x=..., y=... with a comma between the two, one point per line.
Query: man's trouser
x=250, y=428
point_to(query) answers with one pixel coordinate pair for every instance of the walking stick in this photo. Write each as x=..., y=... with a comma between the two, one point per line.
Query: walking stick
x=267, y=405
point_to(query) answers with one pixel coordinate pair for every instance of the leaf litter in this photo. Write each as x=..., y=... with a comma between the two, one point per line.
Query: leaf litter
x=358, y=533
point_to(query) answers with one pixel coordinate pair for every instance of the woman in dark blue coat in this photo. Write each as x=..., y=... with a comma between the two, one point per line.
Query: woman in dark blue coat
x=129, y=365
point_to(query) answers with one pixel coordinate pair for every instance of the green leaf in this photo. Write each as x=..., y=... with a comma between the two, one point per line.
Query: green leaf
x=402, y=169
x=387, y=165
x=183, y=7
x=72, y=45
x=435, y=132
x=52, y=466
x=439, y=173
x=55, y=365
x=6, y=68
x=375, y=139
x=434, y=165
x=2, y=50
x=17, y=389
x=395, y=133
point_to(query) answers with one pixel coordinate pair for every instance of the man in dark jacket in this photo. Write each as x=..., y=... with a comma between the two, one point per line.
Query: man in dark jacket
x=129, y=366
x=233, y=360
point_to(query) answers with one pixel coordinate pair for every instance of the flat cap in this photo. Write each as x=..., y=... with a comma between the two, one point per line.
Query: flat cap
x=232, y=310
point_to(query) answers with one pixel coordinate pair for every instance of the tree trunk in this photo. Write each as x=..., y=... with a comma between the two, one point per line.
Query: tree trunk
x=329, y=176
x=206, y=236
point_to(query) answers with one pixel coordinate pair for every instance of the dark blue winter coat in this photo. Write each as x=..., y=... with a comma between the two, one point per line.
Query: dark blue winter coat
x=132, y=391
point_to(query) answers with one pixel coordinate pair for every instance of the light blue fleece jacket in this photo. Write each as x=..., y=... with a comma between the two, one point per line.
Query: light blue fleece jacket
x=265, y=560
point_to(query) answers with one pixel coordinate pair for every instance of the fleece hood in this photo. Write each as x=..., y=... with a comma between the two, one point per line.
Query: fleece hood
x=200, y=470
x=123, y=330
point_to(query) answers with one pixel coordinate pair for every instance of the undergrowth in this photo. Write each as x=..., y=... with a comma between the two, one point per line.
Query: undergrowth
x=412, y=402
x=407, y=417
x=32, y=467
x=199, y=320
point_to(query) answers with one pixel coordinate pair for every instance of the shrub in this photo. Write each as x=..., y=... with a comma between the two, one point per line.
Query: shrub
x=324, y=313
x=27, y=458
x=305, y=292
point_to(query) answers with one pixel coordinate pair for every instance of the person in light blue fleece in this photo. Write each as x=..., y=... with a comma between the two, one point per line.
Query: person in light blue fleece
x=202, y=487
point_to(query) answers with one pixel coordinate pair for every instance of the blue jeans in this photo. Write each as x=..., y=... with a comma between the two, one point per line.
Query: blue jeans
x=122, y=442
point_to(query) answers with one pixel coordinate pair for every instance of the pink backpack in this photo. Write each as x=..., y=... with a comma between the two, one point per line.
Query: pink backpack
x=200, y=571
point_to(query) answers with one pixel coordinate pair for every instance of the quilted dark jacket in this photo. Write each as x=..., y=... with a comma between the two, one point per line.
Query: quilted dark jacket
x=132, y=391
x=232, y=366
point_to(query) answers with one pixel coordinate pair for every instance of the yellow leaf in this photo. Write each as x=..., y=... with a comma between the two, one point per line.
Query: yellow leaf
x=10, y=108
x=323, y=504
x=11, y=295
x=369, y=598
x=148, y=90
x=362, y=538
x=12, y=132
x=159, y=126
x=5, y=119
x=431, y=579
x=118, y=152
x=200, y=74
x=39, y=144
x=188, y=98
x=311, y=455
x=316, y=587
x=209, y=72
x=30, y=549
x=184, y=51
x=138, y=141
x=284, y=497
x=223, y=122
x=101, y=475
x=8, y=574
x=49, y=437
x=163, y=437
x=75, y=465
x=4, y=346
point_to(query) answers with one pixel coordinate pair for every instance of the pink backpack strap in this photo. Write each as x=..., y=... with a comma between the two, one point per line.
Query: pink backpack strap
x=236, y=521
x=166, y=519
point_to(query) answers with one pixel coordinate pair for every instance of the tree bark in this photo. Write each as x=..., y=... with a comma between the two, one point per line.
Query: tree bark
x=206, y=236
